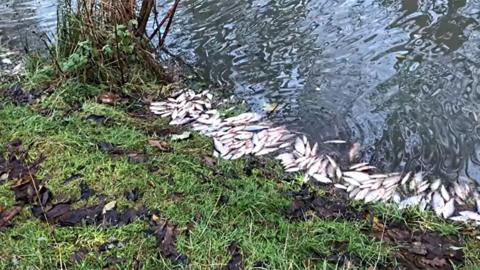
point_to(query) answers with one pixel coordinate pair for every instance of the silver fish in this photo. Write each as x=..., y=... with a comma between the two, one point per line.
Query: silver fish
x=471, y=215
x=353, y=193
x=340, y=186
x=322, y=179
x=448, y=209
x=435, y=185
x=354, y=152
x=351, y=181
x=299, y=146
x=361, y=194
x=444, y=193
x=358, y=165
x=335, y=142
x=459, y=218
x=405, y=178
x=359, y=176
x=266, y=151
x=438, y=203
x=220, y=147
x=410, y=201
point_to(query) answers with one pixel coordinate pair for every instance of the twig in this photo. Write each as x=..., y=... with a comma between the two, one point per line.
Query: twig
x=118, y=56
x=170, y=14
x=167, y=28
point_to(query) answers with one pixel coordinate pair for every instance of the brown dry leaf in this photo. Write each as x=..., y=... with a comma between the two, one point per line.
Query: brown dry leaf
x=7, y=216
x=166, y=236
x=161, y=145
x=209, y=161
x=108, y=98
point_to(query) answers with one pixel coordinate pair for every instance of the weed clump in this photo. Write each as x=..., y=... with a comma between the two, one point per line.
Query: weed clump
x=104, y=42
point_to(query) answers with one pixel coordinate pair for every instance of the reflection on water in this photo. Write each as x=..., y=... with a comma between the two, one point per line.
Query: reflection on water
x=399, y=76
x=22, y=20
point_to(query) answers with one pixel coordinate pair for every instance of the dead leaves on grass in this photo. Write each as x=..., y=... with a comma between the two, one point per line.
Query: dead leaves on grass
x=166, y=239
x=412, y=249
x=161, y=145
x=7, y=216
x=236, y=260
x=420, y=250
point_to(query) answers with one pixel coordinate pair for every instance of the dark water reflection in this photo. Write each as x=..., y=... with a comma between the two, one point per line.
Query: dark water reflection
x=401, y=77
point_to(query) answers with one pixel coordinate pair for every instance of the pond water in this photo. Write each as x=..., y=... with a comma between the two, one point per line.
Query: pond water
x=400, y=77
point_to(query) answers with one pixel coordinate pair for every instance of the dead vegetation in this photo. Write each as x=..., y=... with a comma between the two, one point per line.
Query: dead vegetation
x=106, y=41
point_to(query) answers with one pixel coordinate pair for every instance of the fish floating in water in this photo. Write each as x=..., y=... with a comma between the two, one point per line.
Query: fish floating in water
x=250, y=134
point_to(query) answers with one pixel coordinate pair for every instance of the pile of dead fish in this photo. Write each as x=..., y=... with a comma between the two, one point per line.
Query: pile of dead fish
x=10, y=63
x=250, y=134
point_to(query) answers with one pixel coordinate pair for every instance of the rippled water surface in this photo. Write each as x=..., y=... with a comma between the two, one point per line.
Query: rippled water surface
x=401, y=77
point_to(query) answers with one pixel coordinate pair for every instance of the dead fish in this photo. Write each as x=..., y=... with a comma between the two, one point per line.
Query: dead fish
x=405, y=178
x=299, y=146
x=448, y=209
x=353, y=193
x=294, y=169
x=220, y=147
x=396, y=198
x=321, y=178
x=459, y=218
x=359, y=176
x=351, y=181
x=410, y=201
x=313, y=169
x=354, y=152
x=459, y=191
x=335, y=142
x=435, y=185
x=361, y=194
x=255, y=128
x=418, y=177
x=365, y=168
x=444, y=193
x=438, y=204
x=340, y=186
x=266, y=151
x=315, y=149
x=471, y=215
x=358, y=165
x=379, y=176
x=390, y=181
x=423, y=187
x=374, y=195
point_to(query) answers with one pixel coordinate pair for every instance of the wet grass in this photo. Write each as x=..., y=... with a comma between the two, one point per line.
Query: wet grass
x=212, y=206
x=224, y=204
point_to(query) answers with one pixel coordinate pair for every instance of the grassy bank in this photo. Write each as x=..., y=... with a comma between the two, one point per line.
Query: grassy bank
x=213, y=204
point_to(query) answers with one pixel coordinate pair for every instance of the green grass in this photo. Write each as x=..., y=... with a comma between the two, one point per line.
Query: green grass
x=254, y=215
x=177, y=184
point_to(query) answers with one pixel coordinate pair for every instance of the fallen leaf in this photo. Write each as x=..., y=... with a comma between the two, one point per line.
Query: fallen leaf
x=6, y=217
x=161, y=145
x=166, y=238
x=108, y=98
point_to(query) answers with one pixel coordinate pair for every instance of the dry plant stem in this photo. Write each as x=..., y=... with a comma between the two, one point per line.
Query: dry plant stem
x=170, y=19
x=169, y=15
x=118, y=57
x=147, y=6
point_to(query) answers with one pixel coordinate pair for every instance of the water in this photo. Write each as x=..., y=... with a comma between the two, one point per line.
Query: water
x=400, y=77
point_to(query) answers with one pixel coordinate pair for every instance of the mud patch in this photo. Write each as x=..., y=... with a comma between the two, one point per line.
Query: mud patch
x=236, y=260
x=421, y=250
x=307, y=205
